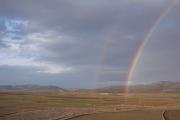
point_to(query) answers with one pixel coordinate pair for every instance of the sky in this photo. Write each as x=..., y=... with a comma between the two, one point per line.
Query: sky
x=87, y=43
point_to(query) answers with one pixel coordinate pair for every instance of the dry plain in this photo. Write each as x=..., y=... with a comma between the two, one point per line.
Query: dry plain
x=88, y=106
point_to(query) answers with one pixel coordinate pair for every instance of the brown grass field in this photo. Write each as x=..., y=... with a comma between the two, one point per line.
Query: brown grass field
x=88, y=106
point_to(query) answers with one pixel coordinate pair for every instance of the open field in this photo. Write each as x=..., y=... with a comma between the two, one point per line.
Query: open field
x=88, y=106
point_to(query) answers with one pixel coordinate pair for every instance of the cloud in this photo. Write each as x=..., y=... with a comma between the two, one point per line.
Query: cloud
x=22, y=49
x=65, y=39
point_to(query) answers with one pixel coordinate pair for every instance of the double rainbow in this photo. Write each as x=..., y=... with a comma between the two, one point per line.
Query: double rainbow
x=140, y=49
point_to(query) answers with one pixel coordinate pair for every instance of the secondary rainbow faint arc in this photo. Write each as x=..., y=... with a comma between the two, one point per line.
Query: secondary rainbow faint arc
x=144, y=42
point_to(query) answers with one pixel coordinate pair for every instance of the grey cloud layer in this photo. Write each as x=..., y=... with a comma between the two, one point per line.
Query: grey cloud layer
x=78, y=30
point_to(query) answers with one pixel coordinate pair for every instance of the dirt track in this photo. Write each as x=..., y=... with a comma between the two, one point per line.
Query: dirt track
x=128, y=115
x=85, y=114
x=172, y=115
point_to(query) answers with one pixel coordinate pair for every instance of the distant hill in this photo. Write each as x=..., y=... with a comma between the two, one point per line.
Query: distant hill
x=159, y=87
x=31, y=88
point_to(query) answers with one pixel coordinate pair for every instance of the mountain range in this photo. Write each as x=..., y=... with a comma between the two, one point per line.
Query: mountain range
x=157, y=87
x=29, y=87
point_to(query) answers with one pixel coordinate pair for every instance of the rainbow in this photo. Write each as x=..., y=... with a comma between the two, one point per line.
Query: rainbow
x=139, y=51
x=103, y=57
x=144, y=42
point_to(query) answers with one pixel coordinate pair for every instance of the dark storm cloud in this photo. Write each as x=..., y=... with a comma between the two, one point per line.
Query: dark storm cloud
x=68, y=33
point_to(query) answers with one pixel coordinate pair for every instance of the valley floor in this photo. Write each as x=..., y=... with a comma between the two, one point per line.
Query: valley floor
x=86, y=106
